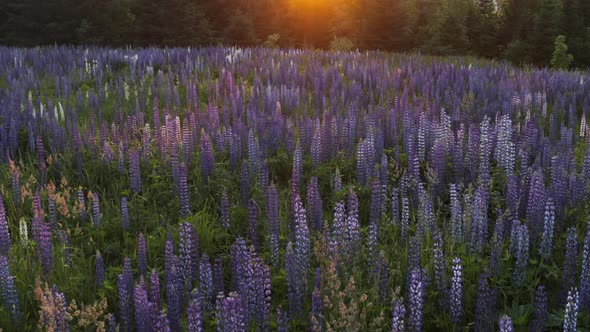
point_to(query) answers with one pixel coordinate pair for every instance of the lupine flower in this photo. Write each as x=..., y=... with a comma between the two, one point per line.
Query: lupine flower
x=541, y=313
x=585, y=273
x=456, y=294
x=124, y=303
x=395, y=211
x=382, y=274
x=5, y=242
x=23, y=232
x=571, y=259
x=9, y=291
x=535, y=202
x=480, y=221
x=52, y=210
x=486, y=305
x=111, y=323
x=134, y=171
x=218, y=286
x=99, y=275
x=338, y=234
x=352, y=235
x=188, y=255
x=142, y=310
x=361, y=164
x=549, y=224
x=416, y=300
x=239, y=263
x=337, y=180
x=124, y=214
x=571, y=311
x=484, y=152
x=183, y=191
x=225, y=213
x=46, y=247
x=253, y=224
x=173, y=298
x=230, y=313
x=520, y=244
x=398, y=317
x=259, y=293
x=274, y=224
x=405, y=216
x=297, y=167
x=207, y=158
x=456, y=214
x=505, y=324
x=96, y=216
x=195, y=316
x=376, y=203
x=282, y=320
x=15, y=178
x=155, y=296
x=314, y=204
x=439, y=269
x=141, y=255
x=205, y=282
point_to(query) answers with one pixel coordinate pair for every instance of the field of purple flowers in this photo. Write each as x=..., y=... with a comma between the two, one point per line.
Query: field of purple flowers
x=224, y=189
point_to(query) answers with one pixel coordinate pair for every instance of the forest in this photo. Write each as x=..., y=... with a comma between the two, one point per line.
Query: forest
x=521, y=31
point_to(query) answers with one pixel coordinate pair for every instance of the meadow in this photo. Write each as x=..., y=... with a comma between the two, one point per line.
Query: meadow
x=255, y=189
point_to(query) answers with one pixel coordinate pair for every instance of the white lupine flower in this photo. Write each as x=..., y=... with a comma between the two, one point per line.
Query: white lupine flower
x=23, y=231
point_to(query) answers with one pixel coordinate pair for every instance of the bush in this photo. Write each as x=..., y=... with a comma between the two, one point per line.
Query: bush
x=341, y=44
x=560, y=59
x=272, y=41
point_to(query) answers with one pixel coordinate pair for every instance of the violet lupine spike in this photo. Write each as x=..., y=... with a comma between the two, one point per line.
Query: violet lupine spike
x=206, y=283
x=239, y=260
x=46, y=246
x=548, y=226
x=395, y=208
x=124, y=214
x=15, y=181
x=337, y=180
x=230, y=313
x=398, y=317
x=376, y=195
x=456, y=214
x=41, y=166
x=155, y=294
x=570, y=260
x=124, y=294
x=225, y=210
x=253, y=224
x=282, y=320
x=521, y=251
x=314, y=204
x=5, y=241
x=259, y=293
x=571, y=311
x=274, y=224
x=352, y=235
x=9, y=293
x=134, y=171
x=183, y=191
x=174, y=298
x=218, y=285
x=361, y=164
x=141, y=255
x=405, y=222
x=479, y=225
x=99, y=270
x=484, y=152
x=585, y=273
x=416, y=298
x=244, y=182
x=194, y=314
x=536, y=199
x=541, y=313
x=52, y=212
x=293, y=291
x=96, y=215
x=382, y=278
x=142, y=309
x=338, y=242
x=456, y=293
x=505, y=324
x=439, y=269
x=372, y=248
x=207, y=158
x=188, y=255
x=111, y=323
x=486, y=305
x=297, y=167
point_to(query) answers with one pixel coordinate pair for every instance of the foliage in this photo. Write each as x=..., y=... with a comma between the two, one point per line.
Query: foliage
x=342, y=44
x=561, y=59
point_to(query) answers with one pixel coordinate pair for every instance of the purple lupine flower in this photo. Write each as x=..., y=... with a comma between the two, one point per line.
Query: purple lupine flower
x=314, y=204
x=520, y=234
x=439, y=269
x=46, y=246
x=512, y=196
x=548, y=225
x=486, y=305
x=124, y=303
x=337, y=180
x=5, y=242
x=124, y=214
x=205, y=283
x=253, y=152
x=361, y=164
x=395, y=211
x=497, y=245
x=188, y=252
x=316, y=148
x=376, y=196
x=274, y=225
x=239, y=260
x=111, y=323
x=372, y=248
x=207, y=158
x=571, y=258
x=292, y=281
x=297, y=167
x=9, y=291
x=183, y=191
x=174, y=297
x=571, y=311
x=505, y=324
x=230, y=313
x=218, y=286
x=456, y=214
x=352, y=235
x=142, y=309
x=337, y=244
x=141, y=255
x=155, y=296
x=99, y=265
x=82, y=205
x=317, y=305
x=541, y=313
x=194, y=314
x=52, y=211
x=416, y=300
x=41, y=166
x=161, y=322
x=263, y=176
x=382, y=278
x=282, y=320
x=61, y=316
x=244, y=182
x=456, y=294
x=398, y=317
x=64, y=242
x=96, y=216
x=259, y=293
x=253, y=224
x=225, y=212
x=15, y=181
x=134, y=171
x=536, y=199
x=479, y=225
x=484, y=152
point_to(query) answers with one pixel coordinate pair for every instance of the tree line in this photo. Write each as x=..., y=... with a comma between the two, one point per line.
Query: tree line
x=522, y=31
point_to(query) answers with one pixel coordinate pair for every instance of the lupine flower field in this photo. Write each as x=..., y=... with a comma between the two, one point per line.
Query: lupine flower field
x=226, y=189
